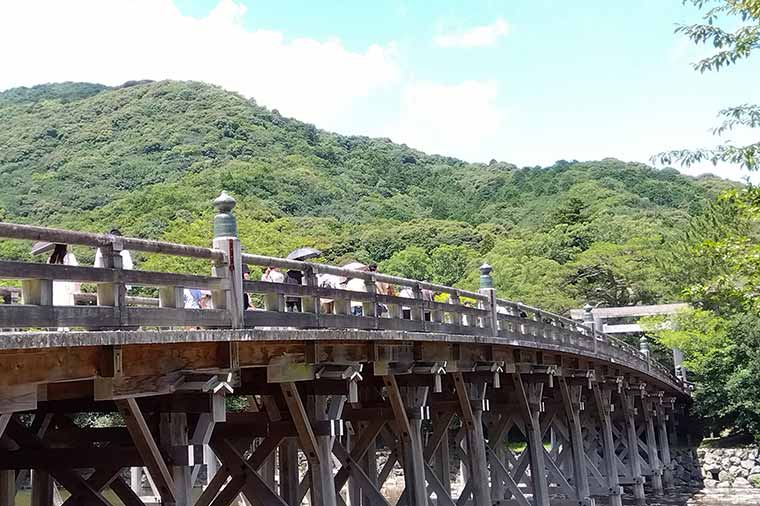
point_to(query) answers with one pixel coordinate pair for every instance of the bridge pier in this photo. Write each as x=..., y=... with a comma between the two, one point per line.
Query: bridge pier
x=655, y=464
x=632, y=444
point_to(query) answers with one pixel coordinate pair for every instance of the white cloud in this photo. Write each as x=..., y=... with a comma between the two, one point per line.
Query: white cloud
x=118, y=40
x=459, y=120
x=479, y=36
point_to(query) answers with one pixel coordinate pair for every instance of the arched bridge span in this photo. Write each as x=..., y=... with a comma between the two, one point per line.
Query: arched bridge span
x=538, y=408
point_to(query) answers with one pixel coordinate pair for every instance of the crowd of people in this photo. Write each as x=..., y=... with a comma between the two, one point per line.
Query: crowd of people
x=194, y=298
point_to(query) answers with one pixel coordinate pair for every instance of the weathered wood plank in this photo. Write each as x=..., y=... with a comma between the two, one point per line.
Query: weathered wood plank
x=148, y=448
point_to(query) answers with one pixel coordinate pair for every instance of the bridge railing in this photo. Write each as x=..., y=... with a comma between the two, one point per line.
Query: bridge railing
x=313, y=304
x=113, y=308
x=327, y=306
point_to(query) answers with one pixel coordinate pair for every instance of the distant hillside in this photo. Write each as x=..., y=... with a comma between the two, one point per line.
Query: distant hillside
x=149, y=156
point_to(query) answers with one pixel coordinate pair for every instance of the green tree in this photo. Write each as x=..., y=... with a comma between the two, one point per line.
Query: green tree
x=731, y=45
x=412, y=262
x=449, y=264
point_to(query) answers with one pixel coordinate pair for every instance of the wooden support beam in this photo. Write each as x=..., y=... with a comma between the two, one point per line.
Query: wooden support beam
x=257, y=458
x=367, y=486
x=662, y=429
x=632, y=437
x=359, y=449
x=472, y=418
x=572, y=403
x=437, y=440
x=322, y=485
x=411, y=445
x=174, y=435
x=146, y=445
x=255, y=488
x=288, y=460
x=99, y=480
x=42, y=488
x=602, y=400
x=654, y=460
x=124, y=492
x=71, y=480
x=530, y=399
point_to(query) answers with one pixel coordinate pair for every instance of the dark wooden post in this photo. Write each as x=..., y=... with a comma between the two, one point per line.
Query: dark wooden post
x=634, y=462
x=530, y=400
x=322, y=484
x=662, y=428
x=411, y=446
x=174, y=437
x=572, y=403
x=42, y=488
x=471, y=405
x=654, y=459
x=603, y=406
x=288, y=453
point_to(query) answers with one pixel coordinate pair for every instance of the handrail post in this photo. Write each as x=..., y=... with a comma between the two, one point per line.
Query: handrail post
x=113, y=294
x=644, y=349
x=227, y=241
x=588, y=320
x=487, y=289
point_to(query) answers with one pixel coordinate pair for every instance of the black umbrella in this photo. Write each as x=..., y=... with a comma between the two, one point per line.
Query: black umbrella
x=303, y=254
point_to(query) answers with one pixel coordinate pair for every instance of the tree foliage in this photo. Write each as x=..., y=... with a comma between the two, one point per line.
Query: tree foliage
x=731, y=45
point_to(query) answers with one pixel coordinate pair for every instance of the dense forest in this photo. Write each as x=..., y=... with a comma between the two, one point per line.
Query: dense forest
x=148, y=158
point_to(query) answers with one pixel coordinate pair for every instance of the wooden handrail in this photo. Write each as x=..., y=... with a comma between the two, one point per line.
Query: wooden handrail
x=61, y=236
x=317, y=268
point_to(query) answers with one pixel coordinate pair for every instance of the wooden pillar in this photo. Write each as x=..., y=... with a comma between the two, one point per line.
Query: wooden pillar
x=471, y=404
x=412, y=457
x=42, y=489
x=442, y=463
x=354, y=488
x=322, y=484
x=7, y=488
x=572, y=403
x=173, y=429
x=662, y=427
x=632, y=438
x=530, y=399
x=602, y=401
x=324, y=443
x=288, y=453
x=654, y=459
x=369, y=464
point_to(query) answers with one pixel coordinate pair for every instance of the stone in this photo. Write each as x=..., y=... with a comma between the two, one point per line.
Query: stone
x=755, y=470
x=741, y=483
x=713, y=467
x=724, y=484
x=725, y=476
x=711, y=483
x=735, y=460
x=735, y=470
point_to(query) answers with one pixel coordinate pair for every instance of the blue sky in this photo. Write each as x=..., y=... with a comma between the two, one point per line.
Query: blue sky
x=524, y=81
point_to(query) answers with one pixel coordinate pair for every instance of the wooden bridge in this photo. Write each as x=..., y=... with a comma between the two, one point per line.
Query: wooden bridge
x=540, y=410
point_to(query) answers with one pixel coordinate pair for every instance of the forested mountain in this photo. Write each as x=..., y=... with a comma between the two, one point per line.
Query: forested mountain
x=148, y=157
